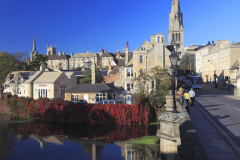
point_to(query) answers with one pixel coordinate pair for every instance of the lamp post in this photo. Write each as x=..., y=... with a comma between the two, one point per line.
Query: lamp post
x=174, y=59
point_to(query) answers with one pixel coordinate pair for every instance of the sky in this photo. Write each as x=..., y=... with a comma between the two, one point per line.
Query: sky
x=79, y=26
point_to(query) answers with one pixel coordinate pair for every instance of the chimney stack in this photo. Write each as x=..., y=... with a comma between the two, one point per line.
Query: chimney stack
x=118, y=54
x=63, y=53
x=93, y=72
x=109, y=66
x=126, y=53
x=71, y=54
x=101, y=50
x=60, y=53
x=105, y=51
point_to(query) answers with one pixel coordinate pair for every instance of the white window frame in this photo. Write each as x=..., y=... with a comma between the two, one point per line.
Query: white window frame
x=130, y=87
x=130, y=71
x=100, y=96
x=42, y=92
x=74, y=97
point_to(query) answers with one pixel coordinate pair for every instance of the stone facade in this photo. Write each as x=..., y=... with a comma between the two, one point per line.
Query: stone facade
x=219, y=58
x=51, y=85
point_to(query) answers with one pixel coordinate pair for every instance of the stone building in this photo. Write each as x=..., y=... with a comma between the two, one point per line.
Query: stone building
x=51, y=85
x=220, y=59
x=84, y=60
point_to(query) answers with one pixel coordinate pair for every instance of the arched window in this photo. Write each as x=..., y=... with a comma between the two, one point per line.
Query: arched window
x=176, y=37
x=159, y=40
x=179, y=37
x=173, y=37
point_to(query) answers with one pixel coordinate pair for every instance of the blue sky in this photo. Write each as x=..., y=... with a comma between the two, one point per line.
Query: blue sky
x=82, y=25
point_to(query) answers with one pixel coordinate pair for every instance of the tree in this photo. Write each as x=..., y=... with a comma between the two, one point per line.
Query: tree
x=7, y=64
x=39, y=60
x=88, y=76
x=187, y=63
x=79, y=68
x=162, y=84
x=19, y=56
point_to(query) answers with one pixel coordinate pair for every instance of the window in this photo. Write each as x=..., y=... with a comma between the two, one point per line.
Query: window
x=74, y=97
x=223, y=54
x=107, y=58
x=226, y=53
x=52, y=66
x=49, y=60
x=103, y=64
x=49, y=66
x=130, y=154
x=60, y=60
x=78, y=59
x=100, y=96
x=141, y=71
x=56, y=66
x=141, y=59
x=78, y=64
x=219, y=55
x=56, y=60
x=42, y=93
x=220, y=66
x=62, y=91
x=129, y=72
x=75, y=59
x=64, y=66
x=64, y=60
x=152, y=84
x=227, y=65
x=214, y=57
x=129, y=86
x=75, y=65
x=71, y=59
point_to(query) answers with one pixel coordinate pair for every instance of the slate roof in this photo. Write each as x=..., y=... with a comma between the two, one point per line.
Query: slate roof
x=121, y=62
x=80, y=73
x=85, y=55
x=48, y=77
x=68, y=74
x=57, y=57
x=32, y=75
x=107, y=54
x=25, y=75
x=93, y=88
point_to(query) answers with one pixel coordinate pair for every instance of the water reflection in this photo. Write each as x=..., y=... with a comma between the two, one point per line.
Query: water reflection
x=7, y=143
x=75, y=141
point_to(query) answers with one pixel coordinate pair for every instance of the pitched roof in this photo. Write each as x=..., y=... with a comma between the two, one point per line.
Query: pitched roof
x=80, y=73
x=93, y=88
x=32, y=75
x=107, y=54
x=68, y=74
x=56, y=57
x=84, y=55
x=115, y=70
x=48, y=77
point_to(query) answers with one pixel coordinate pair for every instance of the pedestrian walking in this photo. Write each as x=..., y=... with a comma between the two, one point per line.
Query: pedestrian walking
x=192, y=96
x=183, y=102
x=187, y=97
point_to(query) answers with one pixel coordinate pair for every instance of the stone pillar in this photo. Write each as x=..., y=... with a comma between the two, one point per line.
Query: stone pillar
x=169, y=135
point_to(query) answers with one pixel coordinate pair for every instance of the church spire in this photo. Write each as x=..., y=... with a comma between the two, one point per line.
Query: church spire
x=175, y=17
x=34, y=45
x=176, y=30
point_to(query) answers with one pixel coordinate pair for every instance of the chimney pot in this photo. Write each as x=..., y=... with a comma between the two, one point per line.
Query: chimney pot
x=60, y=53
x=127, y=45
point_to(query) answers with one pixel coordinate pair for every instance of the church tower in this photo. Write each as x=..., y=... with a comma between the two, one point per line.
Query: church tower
x=176, y=30
x=34, y=51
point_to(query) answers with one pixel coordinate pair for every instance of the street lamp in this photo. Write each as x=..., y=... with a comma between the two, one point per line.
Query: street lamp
x=174, y=59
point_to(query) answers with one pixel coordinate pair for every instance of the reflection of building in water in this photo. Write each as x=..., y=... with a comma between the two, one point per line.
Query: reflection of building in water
x=60, y=140
x=91, y=146
x=132, y=152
